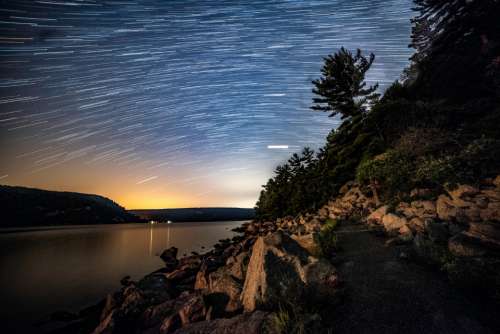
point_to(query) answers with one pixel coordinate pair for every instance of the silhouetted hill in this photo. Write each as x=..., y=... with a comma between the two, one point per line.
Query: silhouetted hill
x=22, y=207
x=195, y=214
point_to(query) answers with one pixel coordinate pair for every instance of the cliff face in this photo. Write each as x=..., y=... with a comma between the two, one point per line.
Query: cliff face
x=23, y=207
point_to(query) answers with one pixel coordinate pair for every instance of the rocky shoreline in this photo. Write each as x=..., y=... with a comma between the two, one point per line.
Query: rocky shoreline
x=274, y=275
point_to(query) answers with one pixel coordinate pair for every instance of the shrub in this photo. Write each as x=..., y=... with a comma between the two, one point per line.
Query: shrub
x=391, y=171
x=327, y=238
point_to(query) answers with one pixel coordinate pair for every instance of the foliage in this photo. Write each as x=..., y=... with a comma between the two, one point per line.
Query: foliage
x=440, y=125
x=327, y=238
x=342, y=88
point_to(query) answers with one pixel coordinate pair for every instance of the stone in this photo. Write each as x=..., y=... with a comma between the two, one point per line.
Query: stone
x=223, y=291
x=463, y=191
x=238, y=265
x=376, y=216
x=496, y=181
x=417, y=224
x=419, y=193
x=485, y=230
x=445, y=208
x=393, y=222
x=169, y=256
x=462, y=245
x=188, y=308
x=280, y=266
x=249, y=323
x=308, y=242
x=405, y=233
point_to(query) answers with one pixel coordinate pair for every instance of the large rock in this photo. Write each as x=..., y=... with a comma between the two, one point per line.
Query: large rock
x=308, y=242
x=376, y=216
x=223, y=291
x=485, y=231
x=188, y=308
x=128, y=304
x=250, y=323
x=393, y=222
x=169, y=256
x=462, y=245
x=280, y=266
x=238, y=265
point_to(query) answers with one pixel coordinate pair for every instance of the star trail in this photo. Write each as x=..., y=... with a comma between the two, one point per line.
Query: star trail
x=175, y=103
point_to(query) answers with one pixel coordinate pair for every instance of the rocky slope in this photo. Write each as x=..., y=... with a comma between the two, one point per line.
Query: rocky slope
x=248, y=284
x=265, y=279
x=458, y=231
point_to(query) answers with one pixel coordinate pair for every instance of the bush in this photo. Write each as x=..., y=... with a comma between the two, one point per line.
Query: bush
x=391, y=171
x=327, y=238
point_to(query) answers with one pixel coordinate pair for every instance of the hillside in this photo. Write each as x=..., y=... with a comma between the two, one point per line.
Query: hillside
x=195, y=214
x=23, y=207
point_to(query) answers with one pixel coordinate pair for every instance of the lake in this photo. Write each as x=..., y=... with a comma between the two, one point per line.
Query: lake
x=68, y=268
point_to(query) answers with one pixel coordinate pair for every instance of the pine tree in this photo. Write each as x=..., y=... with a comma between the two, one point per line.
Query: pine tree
x=342, y=87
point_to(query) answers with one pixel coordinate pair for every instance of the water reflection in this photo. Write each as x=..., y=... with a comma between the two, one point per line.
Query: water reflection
x=43, y=271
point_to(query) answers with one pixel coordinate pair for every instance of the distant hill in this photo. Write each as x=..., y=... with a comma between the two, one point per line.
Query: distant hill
x=195, y=214
x=23, y=207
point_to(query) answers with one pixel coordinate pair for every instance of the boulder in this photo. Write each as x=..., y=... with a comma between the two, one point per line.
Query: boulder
x=485, y=231
x=417, y=224
x=405, y=233
x=238, y=265
x=308, y=242
x=445, y=208
x=188, y=308
x=463, y=192
x=169, y=256
x=249, y=323
x=462, y=245
x=280, y=266
x=223, y=291
x=393, y=222
x=376, y=216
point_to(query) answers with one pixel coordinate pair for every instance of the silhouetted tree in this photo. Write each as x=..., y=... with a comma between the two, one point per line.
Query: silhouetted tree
x=342, y=87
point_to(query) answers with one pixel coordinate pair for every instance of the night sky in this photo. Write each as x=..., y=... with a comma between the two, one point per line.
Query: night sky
x=174, y=103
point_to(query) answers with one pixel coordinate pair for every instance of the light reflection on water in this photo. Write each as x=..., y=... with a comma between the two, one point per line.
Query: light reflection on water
x=66, y=269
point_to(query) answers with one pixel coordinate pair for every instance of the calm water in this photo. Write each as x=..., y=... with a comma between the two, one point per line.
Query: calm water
x=67, y=269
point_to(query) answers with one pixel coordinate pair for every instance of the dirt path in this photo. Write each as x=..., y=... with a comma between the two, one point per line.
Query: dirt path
x=388, y=295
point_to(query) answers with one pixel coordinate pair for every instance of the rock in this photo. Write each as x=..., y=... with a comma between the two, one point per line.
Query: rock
x=223, y=291
x=419, y=193
x=346, y=187
x=417, y=224
x=405, y=233
x=169, y=256
x=188, y=308
x=393, y=222
x=445, y=208
x=308, y=242
x=238, y=265
x=250, y=323
x=376, y=216
x=156, y=288
x=154, y=315
x=462, y=245
x=280, y=266
x=496, y=181
x=463, y=192
x=485, y=231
